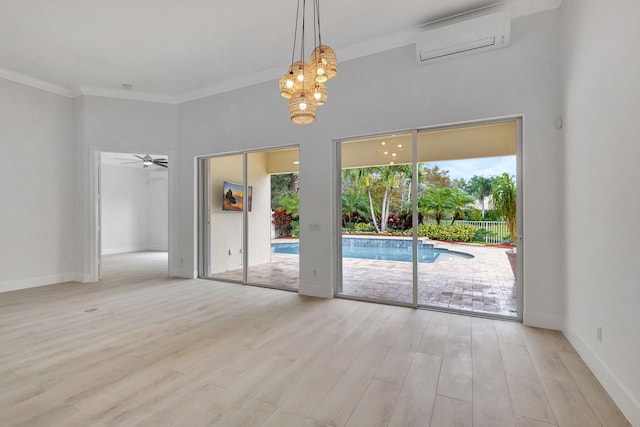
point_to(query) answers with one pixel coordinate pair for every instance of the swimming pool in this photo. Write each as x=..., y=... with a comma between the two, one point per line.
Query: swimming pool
x=382, y=249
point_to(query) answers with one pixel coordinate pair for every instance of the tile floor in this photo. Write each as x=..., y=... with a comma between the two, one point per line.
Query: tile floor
x=482, y=284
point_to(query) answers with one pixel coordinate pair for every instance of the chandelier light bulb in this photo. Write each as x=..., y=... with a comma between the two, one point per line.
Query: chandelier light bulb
x=386, y=152
x=399, y=145
x=393, y=154
x=383, y=143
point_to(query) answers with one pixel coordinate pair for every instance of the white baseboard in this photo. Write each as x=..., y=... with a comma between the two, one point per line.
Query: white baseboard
x=34, y=282
x=160, y=247
x=542, y=320
x=627, y=402
x=122, y=250
x=185, y=273
x=316, y=291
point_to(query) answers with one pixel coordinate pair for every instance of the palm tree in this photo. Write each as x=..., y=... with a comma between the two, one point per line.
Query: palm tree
x=504, y=196
x=436, y=202
x=459, y=201
x=480, y=187
x=363, y=178
x=353, y=204
x=391, y=177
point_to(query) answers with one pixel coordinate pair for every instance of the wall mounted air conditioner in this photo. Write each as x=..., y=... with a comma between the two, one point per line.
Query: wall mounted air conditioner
x=449, y=39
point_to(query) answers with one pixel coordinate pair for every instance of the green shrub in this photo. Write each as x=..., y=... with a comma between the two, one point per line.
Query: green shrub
x=482, y=234
x=454, y=233
x=364, y=227
x=295, y=228
x=474, y=214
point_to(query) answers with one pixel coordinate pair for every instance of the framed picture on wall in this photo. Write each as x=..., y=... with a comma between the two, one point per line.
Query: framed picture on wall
x=232, y=197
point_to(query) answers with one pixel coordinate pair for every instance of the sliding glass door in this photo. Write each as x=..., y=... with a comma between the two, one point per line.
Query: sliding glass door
x=249, y=215
x=430, y=218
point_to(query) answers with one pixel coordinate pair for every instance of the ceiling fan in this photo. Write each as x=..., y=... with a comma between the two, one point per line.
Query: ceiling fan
x=147, y=161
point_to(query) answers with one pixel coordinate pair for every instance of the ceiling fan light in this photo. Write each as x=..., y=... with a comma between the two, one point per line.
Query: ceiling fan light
x=302, y=108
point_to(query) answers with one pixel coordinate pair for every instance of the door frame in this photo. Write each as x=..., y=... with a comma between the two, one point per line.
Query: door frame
x=519, y=120
x=94, y=190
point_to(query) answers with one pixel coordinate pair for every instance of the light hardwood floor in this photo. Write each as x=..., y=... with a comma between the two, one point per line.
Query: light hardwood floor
x=159, y=352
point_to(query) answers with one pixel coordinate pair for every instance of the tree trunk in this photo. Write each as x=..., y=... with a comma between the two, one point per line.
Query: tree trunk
x=482, y=205
x=373, y=212
x=385, y=210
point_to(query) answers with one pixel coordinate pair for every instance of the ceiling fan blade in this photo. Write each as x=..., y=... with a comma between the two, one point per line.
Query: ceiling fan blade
x=162, y=165
x=118, y=158
x=141, y=158
x=129, y=163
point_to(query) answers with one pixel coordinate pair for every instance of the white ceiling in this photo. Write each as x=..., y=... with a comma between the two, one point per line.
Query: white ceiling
x=178, y=50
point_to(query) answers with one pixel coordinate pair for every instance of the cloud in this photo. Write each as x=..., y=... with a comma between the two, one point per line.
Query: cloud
x=487, y=166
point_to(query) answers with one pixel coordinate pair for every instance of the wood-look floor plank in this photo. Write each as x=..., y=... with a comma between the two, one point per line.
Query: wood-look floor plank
x=527, y=422
x=528, y=398
x=491, y=401
x=417, y=397
x=455, y=379
x=449, y=412
x=603, y=406
x=376, y=405
x=569, y=405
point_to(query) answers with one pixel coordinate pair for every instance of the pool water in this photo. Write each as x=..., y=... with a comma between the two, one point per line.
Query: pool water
x=382, y=249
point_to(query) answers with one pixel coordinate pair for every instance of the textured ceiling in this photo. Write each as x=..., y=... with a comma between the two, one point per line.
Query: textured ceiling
x=173, y=47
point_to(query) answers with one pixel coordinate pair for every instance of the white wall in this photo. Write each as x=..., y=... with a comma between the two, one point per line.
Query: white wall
x=602, y=107
x=390, y=91
x=134, y=209
x=37, y=215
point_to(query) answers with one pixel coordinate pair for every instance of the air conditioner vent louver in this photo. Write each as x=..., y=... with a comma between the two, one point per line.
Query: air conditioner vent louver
x=463, y=37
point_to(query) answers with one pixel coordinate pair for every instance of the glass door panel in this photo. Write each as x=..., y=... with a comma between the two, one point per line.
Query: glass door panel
x=463, y=235
x=273, y=218
x=376, y=245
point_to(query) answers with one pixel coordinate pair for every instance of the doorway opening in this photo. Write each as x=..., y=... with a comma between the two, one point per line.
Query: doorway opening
x=133, y=212
x=431, y=218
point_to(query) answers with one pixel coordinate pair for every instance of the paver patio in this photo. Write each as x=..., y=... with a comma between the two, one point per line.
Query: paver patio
x=482, y=284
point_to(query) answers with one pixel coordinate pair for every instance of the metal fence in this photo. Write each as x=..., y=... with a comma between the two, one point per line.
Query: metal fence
x=494, y=231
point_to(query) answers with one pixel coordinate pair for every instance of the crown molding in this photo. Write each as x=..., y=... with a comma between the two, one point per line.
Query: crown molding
x=127, y=94
x=35, y=83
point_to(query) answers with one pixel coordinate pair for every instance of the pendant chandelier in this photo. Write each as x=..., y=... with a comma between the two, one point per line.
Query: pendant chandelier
x=303, y=84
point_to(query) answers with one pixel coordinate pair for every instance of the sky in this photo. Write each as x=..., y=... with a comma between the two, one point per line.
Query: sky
x=487, y=166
